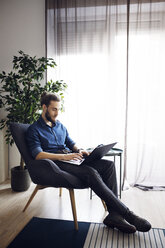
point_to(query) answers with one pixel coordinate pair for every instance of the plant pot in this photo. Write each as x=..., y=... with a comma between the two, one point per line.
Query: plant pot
x=20, y=179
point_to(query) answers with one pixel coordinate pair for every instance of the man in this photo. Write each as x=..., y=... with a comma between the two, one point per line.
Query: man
x=48, y=139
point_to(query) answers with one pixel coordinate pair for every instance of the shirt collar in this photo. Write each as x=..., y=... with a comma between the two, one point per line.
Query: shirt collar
x=43, y=123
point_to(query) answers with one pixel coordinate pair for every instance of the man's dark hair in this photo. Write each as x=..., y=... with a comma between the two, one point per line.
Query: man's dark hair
x=47, y=97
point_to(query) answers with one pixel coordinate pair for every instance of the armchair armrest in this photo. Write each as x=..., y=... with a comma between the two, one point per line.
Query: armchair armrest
x=47, y=172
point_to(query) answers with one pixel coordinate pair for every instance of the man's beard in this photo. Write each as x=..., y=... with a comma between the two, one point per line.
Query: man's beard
x=47, y=115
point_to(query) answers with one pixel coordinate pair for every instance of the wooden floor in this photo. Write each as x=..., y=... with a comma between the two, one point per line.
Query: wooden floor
x=48, y=204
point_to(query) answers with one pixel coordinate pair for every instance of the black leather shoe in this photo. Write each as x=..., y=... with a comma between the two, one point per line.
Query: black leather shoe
x=141, y=224
x=119, y=223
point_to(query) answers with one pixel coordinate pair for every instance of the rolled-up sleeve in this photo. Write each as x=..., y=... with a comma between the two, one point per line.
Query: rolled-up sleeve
x=33, y=141
x=68, y=141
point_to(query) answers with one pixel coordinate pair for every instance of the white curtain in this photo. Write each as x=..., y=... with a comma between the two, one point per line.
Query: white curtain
x=88, y=40
x=146, y=97
x=87, y=50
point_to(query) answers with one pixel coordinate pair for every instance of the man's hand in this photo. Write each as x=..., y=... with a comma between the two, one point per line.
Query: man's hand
x=81, y=151
x=84, y=153
x=72, y=156
x=55, y=156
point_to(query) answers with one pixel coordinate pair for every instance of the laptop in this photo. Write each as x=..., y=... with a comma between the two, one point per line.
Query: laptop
x=97, y=153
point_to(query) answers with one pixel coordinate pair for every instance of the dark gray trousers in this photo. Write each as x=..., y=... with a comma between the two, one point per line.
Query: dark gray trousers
x=100, y=176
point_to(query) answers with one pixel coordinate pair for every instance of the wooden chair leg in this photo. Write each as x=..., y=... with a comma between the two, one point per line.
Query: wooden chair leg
x=72, y=199
x=103, y=202
x=31, y=197
x=60, y=192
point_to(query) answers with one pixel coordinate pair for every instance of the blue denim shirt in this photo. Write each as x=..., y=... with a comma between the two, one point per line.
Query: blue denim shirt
x=41, y=137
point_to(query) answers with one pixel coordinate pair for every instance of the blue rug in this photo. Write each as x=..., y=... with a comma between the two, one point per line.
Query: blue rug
x=51, y=233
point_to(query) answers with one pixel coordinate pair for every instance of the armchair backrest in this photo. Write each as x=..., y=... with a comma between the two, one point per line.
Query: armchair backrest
x=18, y=131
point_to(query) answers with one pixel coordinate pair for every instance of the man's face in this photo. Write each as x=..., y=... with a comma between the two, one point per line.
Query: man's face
x=51, y=112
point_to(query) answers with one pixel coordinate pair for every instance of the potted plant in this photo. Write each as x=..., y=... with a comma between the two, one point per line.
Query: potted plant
x=20, y=92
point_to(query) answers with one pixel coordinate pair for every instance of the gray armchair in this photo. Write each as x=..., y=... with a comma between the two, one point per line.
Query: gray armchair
x=38, y=168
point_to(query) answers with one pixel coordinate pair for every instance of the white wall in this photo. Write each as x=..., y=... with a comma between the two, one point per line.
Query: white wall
x=22, y=27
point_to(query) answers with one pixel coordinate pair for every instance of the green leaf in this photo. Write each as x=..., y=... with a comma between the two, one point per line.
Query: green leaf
x=22, y=89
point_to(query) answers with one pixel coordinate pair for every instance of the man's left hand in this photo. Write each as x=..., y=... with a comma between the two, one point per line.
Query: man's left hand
x=84, y=152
